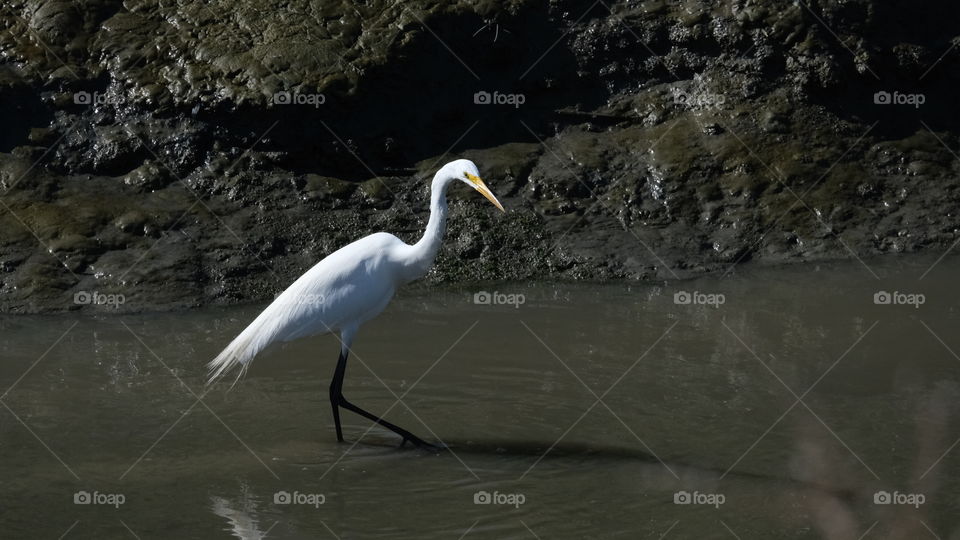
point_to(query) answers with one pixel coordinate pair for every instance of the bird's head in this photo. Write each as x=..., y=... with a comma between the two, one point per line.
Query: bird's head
x=465, y=171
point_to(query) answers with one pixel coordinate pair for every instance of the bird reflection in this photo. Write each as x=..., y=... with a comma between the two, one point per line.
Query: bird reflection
x=239, y=515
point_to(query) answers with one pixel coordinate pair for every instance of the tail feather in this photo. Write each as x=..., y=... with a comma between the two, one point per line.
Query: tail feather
x=234, y=355
x=288, y=317
x=242, y=350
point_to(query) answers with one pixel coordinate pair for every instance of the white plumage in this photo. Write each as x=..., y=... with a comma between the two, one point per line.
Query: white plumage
x=341, y=292
x=349, y=287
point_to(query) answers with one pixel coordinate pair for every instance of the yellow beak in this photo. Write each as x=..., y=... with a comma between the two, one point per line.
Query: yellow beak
x=484, y=190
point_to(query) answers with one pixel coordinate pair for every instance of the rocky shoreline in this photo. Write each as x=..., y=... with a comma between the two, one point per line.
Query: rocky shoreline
x=192, y=154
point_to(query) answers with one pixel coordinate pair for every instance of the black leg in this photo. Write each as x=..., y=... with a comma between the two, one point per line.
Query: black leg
x=336, y=392
x=337, y=400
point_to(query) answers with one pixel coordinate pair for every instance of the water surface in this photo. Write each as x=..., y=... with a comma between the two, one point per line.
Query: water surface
x=592, y=409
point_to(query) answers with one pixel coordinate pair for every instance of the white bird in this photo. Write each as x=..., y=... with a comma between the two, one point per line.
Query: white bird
x=349, y=287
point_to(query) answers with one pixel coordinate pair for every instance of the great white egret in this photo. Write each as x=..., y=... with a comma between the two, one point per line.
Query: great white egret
x=347, y=288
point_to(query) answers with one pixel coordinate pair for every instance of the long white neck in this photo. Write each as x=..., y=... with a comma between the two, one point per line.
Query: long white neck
x=425, y=250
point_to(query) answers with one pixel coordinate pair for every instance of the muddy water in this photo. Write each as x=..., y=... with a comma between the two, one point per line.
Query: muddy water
x=778, y=403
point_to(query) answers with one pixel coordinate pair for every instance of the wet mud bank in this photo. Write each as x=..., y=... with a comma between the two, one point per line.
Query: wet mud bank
x=190, y=154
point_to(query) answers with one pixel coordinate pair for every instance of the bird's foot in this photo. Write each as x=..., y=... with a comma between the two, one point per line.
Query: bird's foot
x=418, y=442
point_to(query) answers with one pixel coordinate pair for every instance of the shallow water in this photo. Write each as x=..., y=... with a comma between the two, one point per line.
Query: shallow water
x=587, y=411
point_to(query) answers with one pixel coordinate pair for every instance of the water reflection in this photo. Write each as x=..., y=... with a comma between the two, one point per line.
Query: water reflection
x=239, y=515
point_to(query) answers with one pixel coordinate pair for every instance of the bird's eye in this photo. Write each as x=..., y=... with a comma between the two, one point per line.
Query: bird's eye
x=466, y=175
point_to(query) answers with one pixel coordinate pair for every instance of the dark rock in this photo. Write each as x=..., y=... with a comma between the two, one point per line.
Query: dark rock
x=190, y=153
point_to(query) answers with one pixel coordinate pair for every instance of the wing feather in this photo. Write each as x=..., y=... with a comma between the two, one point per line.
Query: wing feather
x=343, y=288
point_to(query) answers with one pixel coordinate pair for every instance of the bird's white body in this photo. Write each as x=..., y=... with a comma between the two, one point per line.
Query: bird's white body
x=347, y=288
